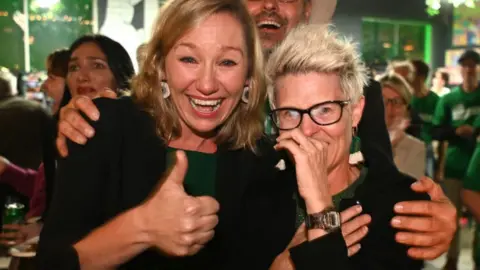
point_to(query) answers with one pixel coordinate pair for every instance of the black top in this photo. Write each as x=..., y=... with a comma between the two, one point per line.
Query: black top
x=372, y=130
x=381, y=189
x=122, y=164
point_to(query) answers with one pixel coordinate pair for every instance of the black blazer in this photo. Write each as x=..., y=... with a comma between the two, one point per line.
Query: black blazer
x=123, y=163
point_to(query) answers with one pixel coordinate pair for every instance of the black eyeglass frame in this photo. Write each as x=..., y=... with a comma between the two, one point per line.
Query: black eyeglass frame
x=341, y=103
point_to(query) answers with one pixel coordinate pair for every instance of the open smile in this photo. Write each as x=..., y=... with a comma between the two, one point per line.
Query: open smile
x=205, y=107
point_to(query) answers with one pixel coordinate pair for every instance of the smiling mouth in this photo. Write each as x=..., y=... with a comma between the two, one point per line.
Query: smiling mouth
x=268, y=25
x=205, y=106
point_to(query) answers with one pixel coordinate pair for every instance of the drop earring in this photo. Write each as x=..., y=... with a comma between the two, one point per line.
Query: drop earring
x=356, y=156
x=165, y=89
x=246, y=91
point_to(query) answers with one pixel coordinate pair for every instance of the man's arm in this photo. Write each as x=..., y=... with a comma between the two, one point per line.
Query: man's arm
x=431, y=224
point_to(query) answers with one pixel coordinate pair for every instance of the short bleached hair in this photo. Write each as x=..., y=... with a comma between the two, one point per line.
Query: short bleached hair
x=318, y=48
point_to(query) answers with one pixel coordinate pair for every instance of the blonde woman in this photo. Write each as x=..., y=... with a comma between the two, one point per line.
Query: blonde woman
x=316, y=95
x=409, y=153
x=227, y=200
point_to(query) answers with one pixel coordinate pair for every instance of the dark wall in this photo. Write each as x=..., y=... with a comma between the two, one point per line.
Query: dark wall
x=348, y=20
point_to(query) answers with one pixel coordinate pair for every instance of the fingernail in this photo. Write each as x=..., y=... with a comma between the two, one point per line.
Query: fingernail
x=95, y=116
x=401, y=237
x=359, y=209
x=396, y=221
x=81, y=140
x=416, y=183
x=89, y=132
x=398, y=207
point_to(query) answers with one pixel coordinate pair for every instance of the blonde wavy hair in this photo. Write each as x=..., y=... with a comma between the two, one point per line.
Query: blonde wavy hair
x=245, y=125
x=318, y=48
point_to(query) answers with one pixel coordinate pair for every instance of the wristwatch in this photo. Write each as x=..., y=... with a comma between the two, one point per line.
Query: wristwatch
x=328, y=220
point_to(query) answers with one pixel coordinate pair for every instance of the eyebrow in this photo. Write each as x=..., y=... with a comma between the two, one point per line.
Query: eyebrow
x=73, y=59
x=223, y=48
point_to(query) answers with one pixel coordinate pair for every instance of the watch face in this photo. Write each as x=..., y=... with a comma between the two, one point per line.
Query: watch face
x=332, y=220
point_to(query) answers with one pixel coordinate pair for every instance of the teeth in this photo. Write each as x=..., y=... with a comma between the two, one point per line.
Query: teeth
x=269, y=23
x=205, y=105
x=202, y=102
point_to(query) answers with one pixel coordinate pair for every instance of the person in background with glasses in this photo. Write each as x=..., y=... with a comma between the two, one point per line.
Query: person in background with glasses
x=316, y=92
x=408, y=152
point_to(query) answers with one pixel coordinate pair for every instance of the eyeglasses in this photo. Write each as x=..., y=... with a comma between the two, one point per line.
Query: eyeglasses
x=323, y=114
x=396, y=102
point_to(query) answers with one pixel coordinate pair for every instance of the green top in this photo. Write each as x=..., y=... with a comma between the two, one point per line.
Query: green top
x=455, y=109
x=425, y=107
x=199, y=181
x=269, y=128
x=347, y=193
x=472, y=178
x=201, y=172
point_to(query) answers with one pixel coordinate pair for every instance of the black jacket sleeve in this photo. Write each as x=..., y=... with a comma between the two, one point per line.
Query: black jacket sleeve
x=372, y=130
x=327, y=252
x=77, y=202
x=379, y=251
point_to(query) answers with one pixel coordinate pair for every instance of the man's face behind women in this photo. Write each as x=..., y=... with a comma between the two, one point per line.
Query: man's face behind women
x=275, y=18
x=206, y=71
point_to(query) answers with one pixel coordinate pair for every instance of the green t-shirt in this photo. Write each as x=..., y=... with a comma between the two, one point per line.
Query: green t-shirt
x=201, y=172
x=472, y=178
x=456, y=109
x=347, y=193
x=425, y=107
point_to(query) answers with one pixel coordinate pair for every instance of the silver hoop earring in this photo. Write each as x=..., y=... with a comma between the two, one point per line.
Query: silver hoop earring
x=246, y=91
x=165, y=89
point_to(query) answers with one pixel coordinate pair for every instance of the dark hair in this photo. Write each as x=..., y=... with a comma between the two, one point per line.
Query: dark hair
x=469, y=54
x=117, y=58
x=57, y=62
x=421, y=68
x=445, y=77
x=5, y=88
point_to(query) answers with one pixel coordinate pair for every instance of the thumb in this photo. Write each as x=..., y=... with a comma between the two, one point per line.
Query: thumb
x=179, y=168
x=427, y=185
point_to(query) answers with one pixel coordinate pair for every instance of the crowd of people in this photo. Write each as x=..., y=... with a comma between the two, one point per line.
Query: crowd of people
x=249, y=138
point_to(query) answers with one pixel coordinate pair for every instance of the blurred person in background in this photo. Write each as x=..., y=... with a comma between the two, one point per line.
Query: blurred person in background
x=424, y=103
x=440, y=83
x=471, y=192
x=403, y=68
x=406, y=70
x=28, y=182
x=408, y=152
x=453, y=123
x=26, y=137
x=54, y=85
x=83, y=53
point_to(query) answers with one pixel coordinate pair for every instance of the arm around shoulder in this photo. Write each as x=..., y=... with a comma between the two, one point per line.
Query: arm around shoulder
x=77, y=206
